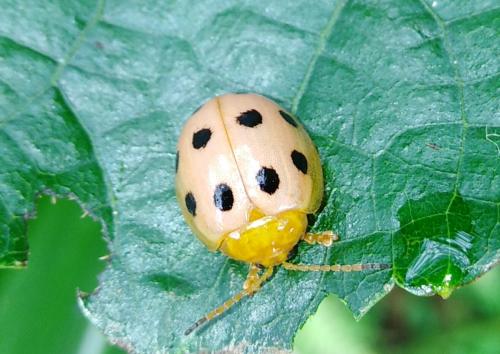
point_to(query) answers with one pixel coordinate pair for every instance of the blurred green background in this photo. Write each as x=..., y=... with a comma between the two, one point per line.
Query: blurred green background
x=39, y=312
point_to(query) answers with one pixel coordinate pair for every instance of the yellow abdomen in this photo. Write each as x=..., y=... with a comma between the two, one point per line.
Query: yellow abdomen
x=265, y=240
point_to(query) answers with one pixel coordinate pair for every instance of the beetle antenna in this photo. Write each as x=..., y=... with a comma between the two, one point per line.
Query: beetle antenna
x=250, y=289
x=335, y=267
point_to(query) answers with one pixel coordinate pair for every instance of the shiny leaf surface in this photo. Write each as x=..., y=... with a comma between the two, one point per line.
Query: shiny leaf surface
x=401, y=99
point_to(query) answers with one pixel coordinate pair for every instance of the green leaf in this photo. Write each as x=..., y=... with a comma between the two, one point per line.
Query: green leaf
x=400, y=97
x=39, y=303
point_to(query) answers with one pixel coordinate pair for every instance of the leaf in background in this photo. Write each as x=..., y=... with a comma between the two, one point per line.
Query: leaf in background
x=401, y=99
x=39, y=303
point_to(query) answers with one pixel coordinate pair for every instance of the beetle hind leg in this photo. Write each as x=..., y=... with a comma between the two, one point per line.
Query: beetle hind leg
x=325, y=238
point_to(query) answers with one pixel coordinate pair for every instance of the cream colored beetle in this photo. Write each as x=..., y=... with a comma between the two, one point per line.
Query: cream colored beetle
x=247, y=175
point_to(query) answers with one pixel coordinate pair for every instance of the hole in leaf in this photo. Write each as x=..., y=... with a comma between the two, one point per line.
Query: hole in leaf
x=38, y=304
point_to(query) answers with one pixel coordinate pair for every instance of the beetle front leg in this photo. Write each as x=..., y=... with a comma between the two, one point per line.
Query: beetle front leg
x=325, y=238
x=252, y=277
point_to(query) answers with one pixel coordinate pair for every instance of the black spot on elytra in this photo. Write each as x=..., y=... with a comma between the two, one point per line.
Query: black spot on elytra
x=190, y=203
x=176, y=161
x=250, y=118
x=201, y=138
x=223, y=197
x=288, y=118
x=300, y=161
x=268, y=180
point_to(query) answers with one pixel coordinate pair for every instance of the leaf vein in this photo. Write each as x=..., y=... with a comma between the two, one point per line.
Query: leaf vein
x=78, y=42
x=323, y=38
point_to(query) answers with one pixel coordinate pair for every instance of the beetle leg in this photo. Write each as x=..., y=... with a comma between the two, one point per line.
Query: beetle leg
x=252, y=287
x=325, y=238
x=252, y=277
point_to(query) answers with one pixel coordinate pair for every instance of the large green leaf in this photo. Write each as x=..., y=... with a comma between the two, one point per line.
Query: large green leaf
x=400, y=97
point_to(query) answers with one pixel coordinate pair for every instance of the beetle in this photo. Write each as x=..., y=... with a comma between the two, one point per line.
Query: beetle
x=247, y=176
